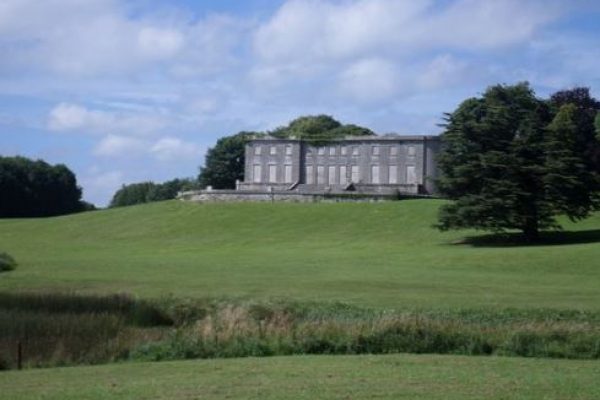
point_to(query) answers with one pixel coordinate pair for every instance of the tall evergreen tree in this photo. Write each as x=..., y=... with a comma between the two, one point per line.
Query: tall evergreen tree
x=586, y=109
x=501, y=167
x=568, y=179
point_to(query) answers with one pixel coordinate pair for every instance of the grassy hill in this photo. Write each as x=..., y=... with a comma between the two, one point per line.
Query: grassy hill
x=380, y=255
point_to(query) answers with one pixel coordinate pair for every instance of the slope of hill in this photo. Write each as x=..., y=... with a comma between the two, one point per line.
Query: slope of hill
x=382, y=255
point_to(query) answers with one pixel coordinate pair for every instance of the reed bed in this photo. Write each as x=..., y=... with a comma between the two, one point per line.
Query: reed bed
x=238, y=329
x=66, y=329
x=51, y=329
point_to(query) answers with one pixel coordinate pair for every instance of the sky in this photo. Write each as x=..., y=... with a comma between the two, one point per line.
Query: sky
x=124, y=91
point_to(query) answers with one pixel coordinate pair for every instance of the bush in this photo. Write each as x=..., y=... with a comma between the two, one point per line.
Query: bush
x=7, y=263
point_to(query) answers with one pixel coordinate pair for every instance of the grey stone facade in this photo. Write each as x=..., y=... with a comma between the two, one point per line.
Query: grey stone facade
x=384, y=165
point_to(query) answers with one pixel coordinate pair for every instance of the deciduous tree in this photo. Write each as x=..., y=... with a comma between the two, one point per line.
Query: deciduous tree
x=224, y=163
x=31, y=188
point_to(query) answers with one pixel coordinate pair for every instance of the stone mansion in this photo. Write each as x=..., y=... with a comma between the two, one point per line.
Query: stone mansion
x=379, y=165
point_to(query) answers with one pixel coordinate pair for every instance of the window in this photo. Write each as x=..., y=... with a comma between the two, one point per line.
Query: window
x=344, y=150
x=354, y=150
x=321, y=151
x=256, y=173
x=320, y=175
x=257, y=150
x=355, y=173
x=273, y=173
x=332, y=151
x=393, y=151
x=374, y=173
x=288, y=174
x=331, y=176
x=411, y=175
x=273, y=150
x=343, y=178
x=412, y=151
x=288, y=150
x=393, y=174
x=375, y=150
x=308, y=173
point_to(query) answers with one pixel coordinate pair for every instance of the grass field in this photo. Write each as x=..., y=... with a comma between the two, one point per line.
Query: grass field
x=244, y=265
x=310, y=377
x=378, y=255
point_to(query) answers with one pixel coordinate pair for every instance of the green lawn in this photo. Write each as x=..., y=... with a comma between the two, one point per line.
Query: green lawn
x=311, y=377
x=381, y=255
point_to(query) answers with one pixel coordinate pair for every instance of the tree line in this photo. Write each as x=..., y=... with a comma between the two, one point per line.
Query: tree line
x=147, y=192
x=34, y=188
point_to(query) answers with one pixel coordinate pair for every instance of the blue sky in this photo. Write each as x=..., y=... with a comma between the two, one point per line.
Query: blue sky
x=125, y=91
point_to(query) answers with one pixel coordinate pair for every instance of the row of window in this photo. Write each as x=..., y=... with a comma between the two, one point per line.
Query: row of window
x=339, y=175
x=332, y=150
x=272, y=178
x=272, y=150
x=336, y=175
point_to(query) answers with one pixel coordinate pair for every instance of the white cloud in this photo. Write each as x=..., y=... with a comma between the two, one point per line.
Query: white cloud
x=114, y=145
x=315, y=30
x=409, y=44
x=211, y=45
x=443, y=71
x=168, y=148
x=160, y=43
x=68, y=116
x=172, y=148
x=470, y=24
x=74, y=117
x=95, y=38
x=370, y=80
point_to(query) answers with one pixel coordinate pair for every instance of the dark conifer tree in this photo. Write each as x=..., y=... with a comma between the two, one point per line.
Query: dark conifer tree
x=568, y=180
x=501, y=167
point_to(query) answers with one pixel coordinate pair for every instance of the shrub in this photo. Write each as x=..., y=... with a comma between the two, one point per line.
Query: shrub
x=7, y=263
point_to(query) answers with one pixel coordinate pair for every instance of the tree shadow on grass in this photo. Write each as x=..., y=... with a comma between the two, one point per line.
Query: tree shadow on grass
x=516, y=239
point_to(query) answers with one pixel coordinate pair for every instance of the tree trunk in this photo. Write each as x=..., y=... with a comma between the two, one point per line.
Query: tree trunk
x=531, y=230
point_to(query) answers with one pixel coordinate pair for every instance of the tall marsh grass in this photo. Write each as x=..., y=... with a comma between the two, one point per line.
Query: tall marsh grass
x=230, y=329
x=61, y=328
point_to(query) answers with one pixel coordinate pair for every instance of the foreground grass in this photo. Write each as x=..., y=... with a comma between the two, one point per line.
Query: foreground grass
x=382, y=255
x=314, y=377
